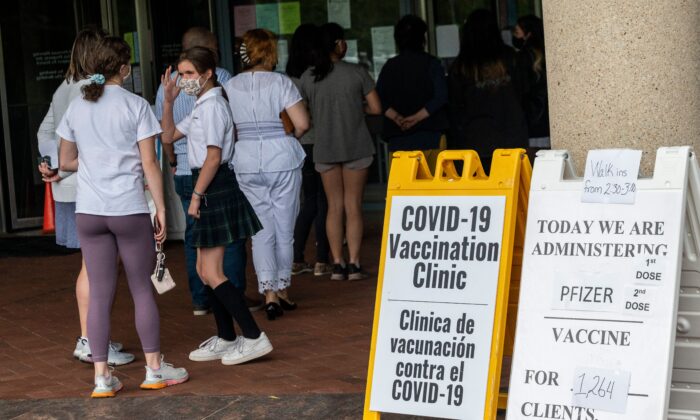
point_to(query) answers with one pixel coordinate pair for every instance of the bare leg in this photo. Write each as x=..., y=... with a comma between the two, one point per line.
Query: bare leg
x=210, y=265
x=333, y=186
x=353, y=186
x=82, y=295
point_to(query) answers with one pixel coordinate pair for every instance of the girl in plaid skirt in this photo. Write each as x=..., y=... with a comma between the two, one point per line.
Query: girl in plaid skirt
x=221, y=211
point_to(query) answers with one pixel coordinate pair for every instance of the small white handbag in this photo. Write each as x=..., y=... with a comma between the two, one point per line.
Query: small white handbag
x=161, y=278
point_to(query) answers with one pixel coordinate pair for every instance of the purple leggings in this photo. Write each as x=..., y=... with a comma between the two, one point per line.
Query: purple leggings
x=102, y=238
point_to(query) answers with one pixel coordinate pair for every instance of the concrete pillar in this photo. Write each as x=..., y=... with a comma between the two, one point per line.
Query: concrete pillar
x=623, y=73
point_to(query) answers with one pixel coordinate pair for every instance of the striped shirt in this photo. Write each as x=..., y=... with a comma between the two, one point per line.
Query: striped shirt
x=183, y=106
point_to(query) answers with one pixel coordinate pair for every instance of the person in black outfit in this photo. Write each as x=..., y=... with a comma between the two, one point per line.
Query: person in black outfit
x=304, y=46
x=413, y=90
x=485, y=113
x=528, y=38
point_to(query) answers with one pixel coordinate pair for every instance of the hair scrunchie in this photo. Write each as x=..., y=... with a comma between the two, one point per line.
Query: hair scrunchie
x=97, y=78
x=243, y=51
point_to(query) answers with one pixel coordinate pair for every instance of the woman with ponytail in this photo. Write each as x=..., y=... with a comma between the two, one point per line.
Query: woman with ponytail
x=63, y=184
x=339, y=95
x=108, y=137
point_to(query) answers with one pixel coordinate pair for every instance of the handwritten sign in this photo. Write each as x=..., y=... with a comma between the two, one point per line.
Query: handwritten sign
x=598, y=295
x=611, y=176
x=601, y=389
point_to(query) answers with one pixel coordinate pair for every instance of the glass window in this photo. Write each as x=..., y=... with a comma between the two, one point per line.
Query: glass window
x=368, y=24
x=173, y=18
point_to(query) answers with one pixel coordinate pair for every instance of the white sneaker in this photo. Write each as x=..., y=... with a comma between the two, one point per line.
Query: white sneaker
x=167, y=375
x=213, y=349
x=106, y=386
x=247, y=350
x=82, y=348
x=114, y=357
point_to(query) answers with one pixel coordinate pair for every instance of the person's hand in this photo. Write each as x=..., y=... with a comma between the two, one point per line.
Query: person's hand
x=159, y=230
x=414, y=119
x=170, y=87
x=48, y=174
x=193, y=210
x=398, y=119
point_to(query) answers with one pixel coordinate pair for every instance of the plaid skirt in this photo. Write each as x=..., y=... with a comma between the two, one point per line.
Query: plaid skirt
x=226, y=215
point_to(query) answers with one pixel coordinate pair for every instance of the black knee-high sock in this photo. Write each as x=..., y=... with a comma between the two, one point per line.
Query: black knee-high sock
x=233, y=300
x=224, y=322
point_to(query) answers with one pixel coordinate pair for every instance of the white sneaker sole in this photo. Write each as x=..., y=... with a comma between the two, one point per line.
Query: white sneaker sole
x=206, y=358
x=88, y=359
x=260, y=353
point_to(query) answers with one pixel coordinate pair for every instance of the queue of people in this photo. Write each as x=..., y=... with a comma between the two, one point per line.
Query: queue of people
x=261, y=155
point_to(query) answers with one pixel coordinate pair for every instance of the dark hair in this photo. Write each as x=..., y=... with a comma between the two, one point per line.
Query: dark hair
x=202, y=59
x=409, y=33
x=532, y=26
x=260, y=48
x=482, y=51
x=111, y=54
x=81, y=55
x=303, y=49
x=331, y=32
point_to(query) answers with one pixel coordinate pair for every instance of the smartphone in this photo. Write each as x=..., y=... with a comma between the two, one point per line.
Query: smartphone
x=44, y=159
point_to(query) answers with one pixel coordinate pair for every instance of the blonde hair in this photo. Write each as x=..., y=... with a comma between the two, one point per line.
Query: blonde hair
x=259, y=48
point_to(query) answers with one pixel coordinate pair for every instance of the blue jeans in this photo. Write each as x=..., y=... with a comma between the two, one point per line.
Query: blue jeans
x=235, y=257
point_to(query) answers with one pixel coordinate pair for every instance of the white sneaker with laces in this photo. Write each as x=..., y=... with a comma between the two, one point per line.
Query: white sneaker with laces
x=82, y=348
x=167, y=375
x=247, y=350
x=114, y=357
x=214, y=349
x=106, y=387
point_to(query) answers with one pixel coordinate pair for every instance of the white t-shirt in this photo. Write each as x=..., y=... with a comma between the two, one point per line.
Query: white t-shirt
x=256, y=100
x=209, y=124
x=107, y=132
x=65, y=190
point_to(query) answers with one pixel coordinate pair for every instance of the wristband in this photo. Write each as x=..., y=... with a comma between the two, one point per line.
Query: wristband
x=173, y=164
x=202, y=196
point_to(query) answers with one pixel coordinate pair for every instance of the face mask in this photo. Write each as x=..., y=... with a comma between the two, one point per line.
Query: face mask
x=191, y=87
x=518, y=43
x=128, y=74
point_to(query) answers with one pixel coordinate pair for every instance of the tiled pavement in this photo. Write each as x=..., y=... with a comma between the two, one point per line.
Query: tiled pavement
x=317, y=370
x=321, y=348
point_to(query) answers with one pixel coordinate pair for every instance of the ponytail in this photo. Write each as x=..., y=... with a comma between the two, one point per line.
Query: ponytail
x=109, y=57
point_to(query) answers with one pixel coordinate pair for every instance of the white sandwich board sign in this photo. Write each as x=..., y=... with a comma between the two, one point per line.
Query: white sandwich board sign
x=599, y=290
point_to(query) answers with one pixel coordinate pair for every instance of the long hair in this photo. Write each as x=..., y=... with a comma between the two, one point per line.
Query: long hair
x=481, y=51
x=111, y=54
x=84, y=47
x=331, y=33
x=303, y=49
x=202, y=59
x=532, y=25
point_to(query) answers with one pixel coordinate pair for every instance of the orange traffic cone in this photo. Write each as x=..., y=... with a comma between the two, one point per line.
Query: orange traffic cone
x=49, y=216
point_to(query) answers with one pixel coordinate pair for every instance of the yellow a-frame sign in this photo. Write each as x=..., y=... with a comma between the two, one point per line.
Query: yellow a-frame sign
x=442, y=320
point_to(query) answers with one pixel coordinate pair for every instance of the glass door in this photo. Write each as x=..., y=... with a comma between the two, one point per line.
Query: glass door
x=35, y=44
